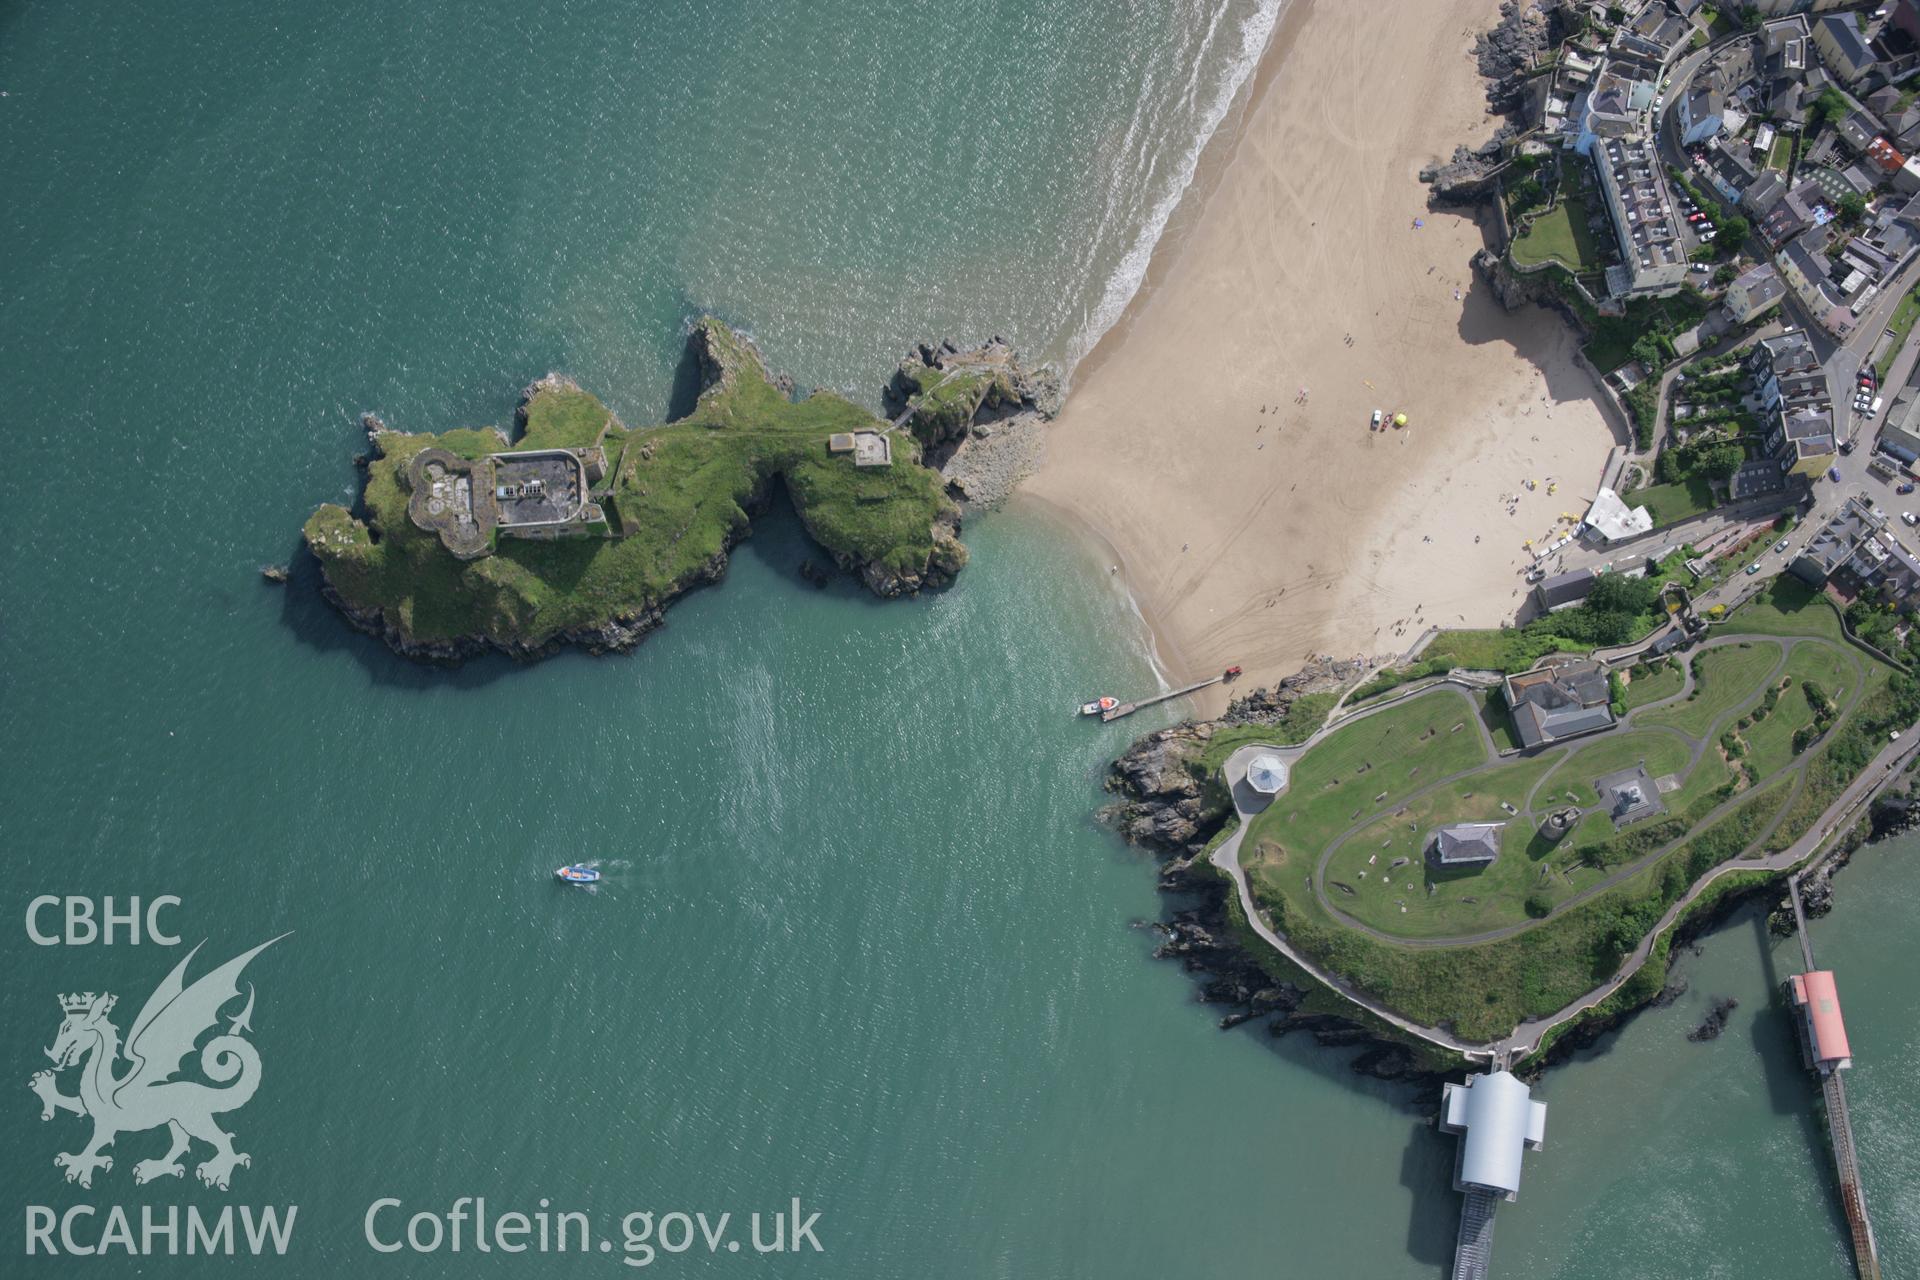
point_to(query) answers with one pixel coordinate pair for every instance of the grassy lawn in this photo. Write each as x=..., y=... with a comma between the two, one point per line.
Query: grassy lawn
x=1662, y=753
x=1371, y=766
x=1769, y=738
x=1789, y=607
x=1840, y=755
x=1654, y=684
x=1498, y=650
x=1672, y=503
x=1559, y=235
x=1780, y=155
x=1498, y=720
x=1483, y=990
x=1901, y=323
x=678, y=497
x=1726, y=677
x=1414, y=899
x=1306, y=714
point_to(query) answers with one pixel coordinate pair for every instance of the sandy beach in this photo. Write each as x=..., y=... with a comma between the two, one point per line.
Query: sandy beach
x=1258, y=525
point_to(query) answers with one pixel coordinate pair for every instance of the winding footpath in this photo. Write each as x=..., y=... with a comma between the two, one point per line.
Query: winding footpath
x=1526, y=1037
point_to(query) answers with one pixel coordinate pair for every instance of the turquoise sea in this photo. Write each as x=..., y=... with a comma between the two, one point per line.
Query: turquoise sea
x=860, y=941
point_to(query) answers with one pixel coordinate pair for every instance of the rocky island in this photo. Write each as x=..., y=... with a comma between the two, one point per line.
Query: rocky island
x=579, y=530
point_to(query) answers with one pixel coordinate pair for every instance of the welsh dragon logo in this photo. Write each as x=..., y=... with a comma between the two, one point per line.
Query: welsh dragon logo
x=146, y=1095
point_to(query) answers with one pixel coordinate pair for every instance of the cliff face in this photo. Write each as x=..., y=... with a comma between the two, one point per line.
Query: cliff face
x=664, y=506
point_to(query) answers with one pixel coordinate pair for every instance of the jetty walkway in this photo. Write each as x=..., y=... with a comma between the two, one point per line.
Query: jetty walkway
x=1846, y=1165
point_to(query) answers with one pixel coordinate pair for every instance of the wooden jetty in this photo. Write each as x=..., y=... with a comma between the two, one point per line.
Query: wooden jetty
x=1128, y=708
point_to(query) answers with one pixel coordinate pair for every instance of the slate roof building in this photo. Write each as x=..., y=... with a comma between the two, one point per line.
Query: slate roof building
x=1564, y=589
x=1465, y=843
x=1551, y=704
x=1753, y=291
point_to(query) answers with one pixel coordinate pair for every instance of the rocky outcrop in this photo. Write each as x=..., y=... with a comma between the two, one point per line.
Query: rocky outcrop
x=1506, y=56
x=722, y=354
x=1161, y=806
x=1511, y=49
x=1512, y=289
x=1225, y=975
x=613, y=635
x=1468, y=177
x=1321, y=674
x=949, y=557
x=1718, y=1011
x=1166, y=805
x=1893, y=814
x=979, y=412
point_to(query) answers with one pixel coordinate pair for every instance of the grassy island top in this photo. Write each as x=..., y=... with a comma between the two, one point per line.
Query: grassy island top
x=1749, y=740
x=476, y=545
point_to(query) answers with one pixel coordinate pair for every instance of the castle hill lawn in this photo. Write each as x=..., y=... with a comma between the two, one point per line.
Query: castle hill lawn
x=675, y=499
x=1748, y=760
x=1654, y=684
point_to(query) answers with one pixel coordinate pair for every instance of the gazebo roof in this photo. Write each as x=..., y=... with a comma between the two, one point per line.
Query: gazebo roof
x=1266, y=774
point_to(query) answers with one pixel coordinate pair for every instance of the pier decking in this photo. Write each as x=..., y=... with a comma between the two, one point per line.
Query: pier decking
x=1473, y=1253
x=1128, y=708
x=1866, y=1253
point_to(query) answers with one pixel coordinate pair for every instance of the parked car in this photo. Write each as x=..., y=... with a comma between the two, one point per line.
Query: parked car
x=1708, y=236
x=1695, y=217
x=1833, y=473
x=1780, y=546
x=1377, y=417
x=1753, y=568
x=1910, y=518
x=1906, y=487
x=1874, y=408
x=1846, y=447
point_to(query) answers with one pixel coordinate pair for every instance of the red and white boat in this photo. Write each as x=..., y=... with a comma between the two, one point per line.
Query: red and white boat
x=1099, y=706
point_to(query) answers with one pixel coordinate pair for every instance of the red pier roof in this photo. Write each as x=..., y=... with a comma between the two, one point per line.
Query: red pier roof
x=1815, y=993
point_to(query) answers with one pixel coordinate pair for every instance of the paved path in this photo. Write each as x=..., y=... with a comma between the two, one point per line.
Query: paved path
x=1526, y=1037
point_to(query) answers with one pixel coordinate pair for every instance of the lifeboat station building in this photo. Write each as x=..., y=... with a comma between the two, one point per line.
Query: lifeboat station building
x=1500, y=1121
x=1823, y=1035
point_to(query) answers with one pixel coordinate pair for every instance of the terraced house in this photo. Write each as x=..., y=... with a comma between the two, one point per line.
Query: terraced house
x=1653, y=262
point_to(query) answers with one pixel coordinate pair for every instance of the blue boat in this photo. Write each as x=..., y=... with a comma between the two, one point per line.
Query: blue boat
x=578, y=873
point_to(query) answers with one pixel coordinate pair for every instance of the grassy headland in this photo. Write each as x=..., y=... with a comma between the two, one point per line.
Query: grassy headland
x=676, y=498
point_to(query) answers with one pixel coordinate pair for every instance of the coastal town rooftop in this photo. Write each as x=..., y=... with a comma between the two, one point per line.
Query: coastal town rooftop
x=1648, y=232
x=1613, y=520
